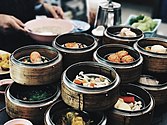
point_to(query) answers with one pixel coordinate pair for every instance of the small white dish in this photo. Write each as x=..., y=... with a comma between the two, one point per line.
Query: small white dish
x=149, y=33
x=98, y=31
x=18, y=121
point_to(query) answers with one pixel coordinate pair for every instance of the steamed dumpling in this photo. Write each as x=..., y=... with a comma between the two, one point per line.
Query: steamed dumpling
x=126, y=32
x=114, y=58
x=127, y=59
x=122, y=105
x=158, y=49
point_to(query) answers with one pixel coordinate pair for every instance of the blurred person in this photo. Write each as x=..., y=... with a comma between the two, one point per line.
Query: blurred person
x=13, y=15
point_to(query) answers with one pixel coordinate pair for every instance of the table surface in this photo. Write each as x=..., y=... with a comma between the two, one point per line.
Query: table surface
x=160, y=114
x=159, y=118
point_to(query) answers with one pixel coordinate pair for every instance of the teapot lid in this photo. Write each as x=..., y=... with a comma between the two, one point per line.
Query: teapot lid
x=105, y=4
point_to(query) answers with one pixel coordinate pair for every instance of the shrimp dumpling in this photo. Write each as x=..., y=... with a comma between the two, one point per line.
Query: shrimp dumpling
x=158, y=49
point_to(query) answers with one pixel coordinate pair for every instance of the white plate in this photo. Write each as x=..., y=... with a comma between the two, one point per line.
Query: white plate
x=80, y=26
x=1, y=71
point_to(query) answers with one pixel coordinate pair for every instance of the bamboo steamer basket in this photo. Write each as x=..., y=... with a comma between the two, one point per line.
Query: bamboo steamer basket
x=111, y=37
x=157, y=91
x=98, y=118
x=152, y=62
x=128, y=72
x=31, y=110
x=85, y=98
x=143, y=116
x=73, y=55
x=36, y=74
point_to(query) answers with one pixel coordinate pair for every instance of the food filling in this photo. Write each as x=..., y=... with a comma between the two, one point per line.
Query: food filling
x=91, y=80
x=71, y=118
x=156, y=49
x=74, y=45
x=48, y=30
x=126, y=32
x=34, y=58
x=34, y=95
x=128, y=103
x=4, y=62
x=148, y=81
x=143, y=22
x=120, y=57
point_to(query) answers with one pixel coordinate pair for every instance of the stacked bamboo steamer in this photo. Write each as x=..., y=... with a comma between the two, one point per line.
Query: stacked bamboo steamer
x=33, y=77
x=155, y=67
x=79, y=97
x=90, y=100
x=129, y=74
x=93, y=101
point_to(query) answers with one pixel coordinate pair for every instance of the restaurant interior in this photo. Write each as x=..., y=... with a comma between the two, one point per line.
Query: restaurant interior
x=104, y=63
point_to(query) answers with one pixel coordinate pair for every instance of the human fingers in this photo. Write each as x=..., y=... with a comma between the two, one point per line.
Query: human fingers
x=59, y=11
x=55, y=11
x=51, y=10
x=17, y=24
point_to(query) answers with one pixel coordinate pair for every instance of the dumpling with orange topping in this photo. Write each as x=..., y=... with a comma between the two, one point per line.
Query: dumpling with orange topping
x=127, y=59
x=35, y=57
x=114, y=58
x=122, y=53
x=72, y=45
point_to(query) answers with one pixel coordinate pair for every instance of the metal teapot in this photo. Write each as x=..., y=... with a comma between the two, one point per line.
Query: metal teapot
x=108, y=14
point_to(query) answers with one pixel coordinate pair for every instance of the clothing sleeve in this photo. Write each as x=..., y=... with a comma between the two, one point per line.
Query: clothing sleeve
x=21, y=9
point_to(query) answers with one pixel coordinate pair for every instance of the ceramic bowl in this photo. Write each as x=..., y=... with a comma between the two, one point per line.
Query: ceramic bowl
x=18, y=121
x=146, y=33
x=44, y=30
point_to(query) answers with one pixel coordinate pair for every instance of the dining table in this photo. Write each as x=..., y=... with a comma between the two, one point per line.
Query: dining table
x=159, y=115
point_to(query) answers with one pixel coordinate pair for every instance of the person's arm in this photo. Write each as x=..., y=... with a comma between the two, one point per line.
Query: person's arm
x=55, y=11
x=10, y=22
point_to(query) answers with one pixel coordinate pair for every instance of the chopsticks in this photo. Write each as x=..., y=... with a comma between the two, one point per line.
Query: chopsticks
x=2, y=109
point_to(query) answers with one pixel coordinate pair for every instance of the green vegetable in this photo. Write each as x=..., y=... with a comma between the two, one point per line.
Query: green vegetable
x=38, y=96
x=143, y=23
x=136, y=19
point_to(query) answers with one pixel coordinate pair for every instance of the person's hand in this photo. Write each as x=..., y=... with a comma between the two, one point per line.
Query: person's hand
x=55, y=11
x=10, y=22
